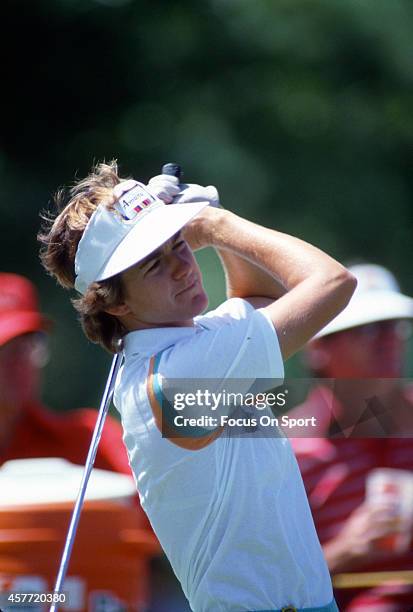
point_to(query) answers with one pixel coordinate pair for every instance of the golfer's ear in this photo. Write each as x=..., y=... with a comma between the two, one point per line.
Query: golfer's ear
x=121, y=310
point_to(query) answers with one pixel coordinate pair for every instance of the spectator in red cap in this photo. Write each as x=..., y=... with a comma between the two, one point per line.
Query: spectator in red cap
x=365, y=418
x=27, y=428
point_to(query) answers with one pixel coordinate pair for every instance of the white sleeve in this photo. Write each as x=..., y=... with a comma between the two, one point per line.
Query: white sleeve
x=235, y=351
x=235, y=341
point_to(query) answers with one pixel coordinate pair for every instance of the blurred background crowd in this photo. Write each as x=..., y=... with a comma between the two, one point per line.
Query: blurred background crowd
x=299, y=112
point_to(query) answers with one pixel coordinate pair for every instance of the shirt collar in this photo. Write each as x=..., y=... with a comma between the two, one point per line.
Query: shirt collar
x=148, y=342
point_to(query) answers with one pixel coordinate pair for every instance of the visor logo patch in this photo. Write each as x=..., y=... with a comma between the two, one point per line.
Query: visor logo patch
x=134, y=201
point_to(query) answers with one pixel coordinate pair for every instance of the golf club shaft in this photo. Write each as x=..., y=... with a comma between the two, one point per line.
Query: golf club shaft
x=71, y=534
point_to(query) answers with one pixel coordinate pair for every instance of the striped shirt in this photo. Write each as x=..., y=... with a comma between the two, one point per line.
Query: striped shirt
x=334, y=472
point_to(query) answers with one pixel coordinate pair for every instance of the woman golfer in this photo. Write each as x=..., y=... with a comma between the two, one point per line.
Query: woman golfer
x=230, y=511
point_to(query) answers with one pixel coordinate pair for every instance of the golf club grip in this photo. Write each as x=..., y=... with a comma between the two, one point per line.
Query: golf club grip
x=172, y=169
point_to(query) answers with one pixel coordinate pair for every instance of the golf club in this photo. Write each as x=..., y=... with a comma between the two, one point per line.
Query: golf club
x=174, y=170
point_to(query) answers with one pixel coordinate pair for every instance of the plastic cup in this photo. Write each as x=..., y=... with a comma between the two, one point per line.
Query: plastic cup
x=387, y=486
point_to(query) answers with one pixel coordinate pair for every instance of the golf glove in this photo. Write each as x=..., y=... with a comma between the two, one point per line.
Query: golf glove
x=168, y=189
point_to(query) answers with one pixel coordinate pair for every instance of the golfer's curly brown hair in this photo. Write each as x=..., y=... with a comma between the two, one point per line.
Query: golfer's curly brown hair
x=60, y=237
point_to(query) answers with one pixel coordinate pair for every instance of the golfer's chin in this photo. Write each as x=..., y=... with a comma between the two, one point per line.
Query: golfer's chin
x=199, y=302
x=186, y=306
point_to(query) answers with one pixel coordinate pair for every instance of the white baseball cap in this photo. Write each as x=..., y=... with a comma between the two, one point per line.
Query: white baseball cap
x=376, y=298
x=118, y=237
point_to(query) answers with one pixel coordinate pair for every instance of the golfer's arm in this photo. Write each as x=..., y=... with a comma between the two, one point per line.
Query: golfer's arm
x=245, y=279
x=313, y=287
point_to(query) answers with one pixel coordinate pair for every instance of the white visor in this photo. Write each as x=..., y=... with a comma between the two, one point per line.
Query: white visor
x=115, y=239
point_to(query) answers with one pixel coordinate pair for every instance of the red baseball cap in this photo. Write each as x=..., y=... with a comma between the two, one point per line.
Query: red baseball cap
x=19, y=308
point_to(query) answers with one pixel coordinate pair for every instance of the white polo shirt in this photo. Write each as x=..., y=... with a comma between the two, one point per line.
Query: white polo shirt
x=232, y=517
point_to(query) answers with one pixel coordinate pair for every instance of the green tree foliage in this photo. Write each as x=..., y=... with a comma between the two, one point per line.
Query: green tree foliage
x=299, y=111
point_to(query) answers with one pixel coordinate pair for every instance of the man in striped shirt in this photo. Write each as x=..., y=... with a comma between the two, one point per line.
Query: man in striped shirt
x=362, y=350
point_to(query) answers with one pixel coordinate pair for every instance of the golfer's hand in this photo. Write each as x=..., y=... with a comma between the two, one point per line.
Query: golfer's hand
x=199, y=231
x=164, y=186
x=190, y=192
x=168, y=189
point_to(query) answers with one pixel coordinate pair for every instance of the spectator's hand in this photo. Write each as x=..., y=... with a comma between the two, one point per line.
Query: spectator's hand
x=360, y=540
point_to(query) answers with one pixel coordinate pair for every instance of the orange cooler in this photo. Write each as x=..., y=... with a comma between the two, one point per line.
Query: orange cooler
x=109, y=566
